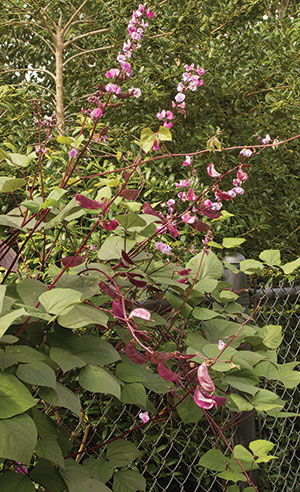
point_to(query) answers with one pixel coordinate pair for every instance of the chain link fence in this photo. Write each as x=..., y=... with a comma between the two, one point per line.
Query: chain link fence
x=170, y=449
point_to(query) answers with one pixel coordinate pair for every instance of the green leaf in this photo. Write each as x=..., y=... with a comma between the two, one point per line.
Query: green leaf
x=18, y=437
x=214, y=460
x=176, y=303
x=128, y=481
x=272, y=336
x=12, y=184
x=231, y=475
x=134, y=393
x=164, y=134
x=9, y=222
x=188, y=411
x=243, y=380
x=65, y=140
x=289, y=378
x=205, y=314
x=261, y=447
x=21, y=160
x=44, y=424
x=78, y=479
x=24, y=353
x=265, y=400
x=211, y=266
x=14, y=396
x=267, y=369
x=65, y=359
x=82, y=315
x=61, y=397
x=251, y=266
x=147, y=139
x=271, y=257
x=129, y=373
x=241, y=453
x=291, y=266
x=37, y=373
x=30, y=290
x=112, y=247
x=11, y=481
x=99, y=470
x=232, y=242
x=206, y=285
x=234, y=488
x=228, y=295
x=50, y=450
x=98, y=380
x=121, y=452
x=2, y=295
x=8, y=319
x=93, y=350
x=240, y=403
x=60, y=301
x=131, y=220
x=46, y=474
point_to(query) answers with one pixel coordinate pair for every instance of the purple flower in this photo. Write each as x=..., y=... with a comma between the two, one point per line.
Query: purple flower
x=179, y=98
x=144, y=416
x=266, y=140
x=246, y=152
x=163, y=248
x=221, y=345
x=73, y=153
x=96, y=114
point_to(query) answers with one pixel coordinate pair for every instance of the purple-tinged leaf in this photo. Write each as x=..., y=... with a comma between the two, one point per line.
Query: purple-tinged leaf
x=200, y=226
x=166, y=373
x=213, y=214
x=136, y=282
x=8, y=257
x=142, y=335
x=160, y=357
x=109, y=290
x=127, y=258
x=130, y=194
x=133, y=354
x=140, y=313
x=85, y=202
x=78, y=260
x=117, y=309
x=110, y=225
x=173, y=231
x=204, y=378
x=147, y=209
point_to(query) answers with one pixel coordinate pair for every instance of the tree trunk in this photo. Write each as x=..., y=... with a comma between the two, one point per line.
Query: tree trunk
x=59, y=99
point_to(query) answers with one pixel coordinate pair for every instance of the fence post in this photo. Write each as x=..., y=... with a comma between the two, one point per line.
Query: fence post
x=245, y=431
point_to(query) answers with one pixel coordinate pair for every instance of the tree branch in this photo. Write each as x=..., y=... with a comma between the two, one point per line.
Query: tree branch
x=28, y=70
x=67, y=26
x=87, y=51
x=98, y=31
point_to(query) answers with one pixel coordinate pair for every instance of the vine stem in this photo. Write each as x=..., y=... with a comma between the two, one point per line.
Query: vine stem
x=209, y=418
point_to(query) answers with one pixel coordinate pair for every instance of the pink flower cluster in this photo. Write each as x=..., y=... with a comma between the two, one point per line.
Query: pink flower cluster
x=191, y=81
x=163, y=248
x=203, y=394
x=136, y=28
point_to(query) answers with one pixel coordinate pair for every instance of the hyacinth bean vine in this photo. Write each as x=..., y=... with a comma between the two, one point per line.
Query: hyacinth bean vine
x=127, y=313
